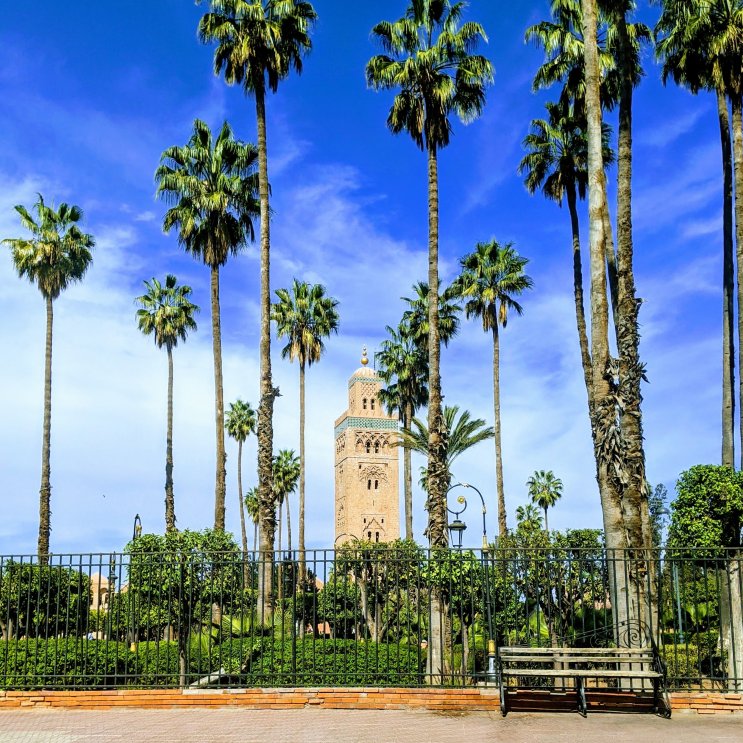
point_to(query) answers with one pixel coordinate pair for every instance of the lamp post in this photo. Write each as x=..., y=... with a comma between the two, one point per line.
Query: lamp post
x=137, y=530
x=111, y=591
x=456, y=529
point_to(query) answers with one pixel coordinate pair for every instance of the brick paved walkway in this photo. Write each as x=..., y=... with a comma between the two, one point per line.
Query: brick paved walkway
x=341, y=726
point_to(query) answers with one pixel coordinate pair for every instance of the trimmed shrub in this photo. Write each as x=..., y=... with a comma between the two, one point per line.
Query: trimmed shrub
x=63, y=663
x=155, y=664
x=314, y=662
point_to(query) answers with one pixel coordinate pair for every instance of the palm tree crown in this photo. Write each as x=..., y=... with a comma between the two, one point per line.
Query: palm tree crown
x=285, y=474
x=58, y=253
x=463, y=432
x=557, y=153
x=416, y=317
x=259, y=42
x=212, y=185
x=304, y=316
x=166, y=312
x=428, y=56
x=240, y=420
x=491, y=277
x=544, y=490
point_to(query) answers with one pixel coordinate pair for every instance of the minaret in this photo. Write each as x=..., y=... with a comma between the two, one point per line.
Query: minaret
x=367, y=498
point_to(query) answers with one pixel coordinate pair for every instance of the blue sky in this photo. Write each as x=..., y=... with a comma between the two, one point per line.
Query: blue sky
x=92, y=94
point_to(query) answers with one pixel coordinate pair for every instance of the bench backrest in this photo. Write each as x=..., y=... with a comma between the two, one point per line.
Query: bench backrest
x=520, y=654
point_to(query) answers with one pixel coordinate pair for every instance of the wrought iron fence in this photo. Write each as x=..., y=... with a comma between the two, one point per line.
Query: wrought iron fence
x=360, y=615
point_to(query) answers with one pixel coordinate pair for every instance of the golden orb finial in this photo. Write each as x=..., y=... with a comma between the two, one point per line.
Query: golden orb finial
x=364, y=359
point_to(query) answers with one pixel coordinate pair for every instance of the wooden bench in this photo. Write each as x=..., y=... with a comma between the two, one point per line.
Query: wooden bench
x=642, y=663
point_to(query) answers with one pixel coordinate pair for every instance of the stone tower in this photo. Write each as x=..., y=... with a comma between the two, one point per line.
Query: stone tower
x=367, y=498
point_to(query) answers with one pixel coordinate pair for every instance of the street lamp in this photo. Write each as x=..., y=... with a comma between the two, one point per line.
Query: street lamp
x=457, y=527
x=137, y=530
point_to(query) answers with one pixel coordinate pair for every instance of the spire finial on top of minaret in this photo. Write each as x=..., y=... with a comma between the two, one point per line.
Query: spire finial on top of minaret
x=364, y=358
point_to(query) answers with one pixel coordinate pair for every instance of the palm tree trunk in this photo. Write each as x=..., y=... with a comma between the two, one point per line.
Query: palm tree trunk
x=546, y=524
x=437, y=470
x=631, y=370
x=603, y=422
x=728, y=289
x=265, y=407
x=288, y=527
x=221, y=483
x=45, y=491
x=502, y=525
x=611, y=267
x=255, y=537
x=169, y=498
x=737, y=107
x=408, y=473
x=241, y=508
x=580, y=314
x=301, y=471
x=437, y=474
x=278, y=571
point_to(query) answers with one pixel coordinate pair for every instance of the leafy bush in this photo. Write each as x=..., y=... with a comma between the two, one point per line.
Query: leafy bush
x=63, y=663
x=43, y=601
x=682, y=664
x=155, y=664
x=311, y=662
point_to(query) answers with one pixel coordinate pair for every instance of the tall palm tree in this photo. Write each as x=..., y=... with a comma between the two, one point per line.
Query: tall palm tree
x=544, y=490
x=555, y=161
x=239, y=424
x=253, y=509
x=258, y=44
x=463, y=432
x=689, y=59
x=211, y=186
x=57, y=253
x=492, y=277
x=305, y=316
x=167, y=313
x=403, y=366
x=428, y=57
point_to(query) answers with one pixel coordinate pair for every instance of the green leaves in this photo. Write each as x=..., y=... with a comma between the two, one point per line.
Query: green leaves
x=166, y=312
x=212, y=184
x=430, y=59
x=708, y=510
x=58, y=253
x=304, y=316
x=240, y=420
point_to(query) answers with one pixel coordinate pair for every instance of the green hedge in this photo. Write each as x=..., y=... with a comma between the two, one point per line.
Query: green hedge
x=64, y=663
x=86, y=664
x=312, y=662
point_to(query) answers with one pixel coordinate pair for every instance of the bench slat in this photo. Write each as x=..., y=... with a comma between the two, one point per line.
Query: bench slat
x=583, y=672
x=583, y=659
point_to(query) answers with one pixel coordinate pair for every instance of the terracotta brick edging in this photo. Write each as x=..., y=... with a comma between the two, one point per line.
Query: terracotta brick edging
x=483, y=699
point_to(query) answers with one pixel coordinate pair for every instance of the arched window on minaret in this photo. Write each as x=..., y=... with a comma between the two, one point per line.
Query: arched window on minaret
x=368, y=447
x=376, y=447
x=368, y=484
x=372, y=403
x=376, y=485
x=363, y=403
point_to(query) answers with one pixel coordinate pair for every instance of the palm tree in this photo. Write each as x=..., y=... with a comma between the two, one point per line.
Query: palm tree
x=239, y=424
x=211, y=186
x=167, y=313
x=492, y=276
x=555, y=161
x=258, y=44
x=689, y=59
x=428, y=58
x=56, y=254
x=286, y=469
x=544, y=490
x=462, y=433
x=416, y=316
x=252, y=506
x=403, y=366
x=528, y=518
x=304, y=316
